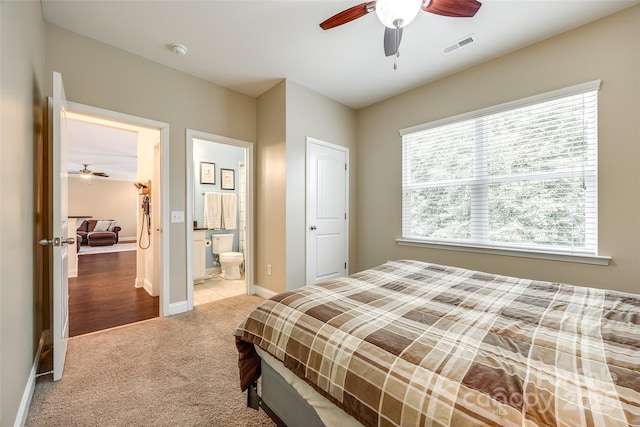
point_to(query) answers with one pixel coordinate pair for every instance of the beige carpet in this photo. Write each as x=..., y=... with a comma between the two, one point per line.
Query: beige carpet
x=175, y=371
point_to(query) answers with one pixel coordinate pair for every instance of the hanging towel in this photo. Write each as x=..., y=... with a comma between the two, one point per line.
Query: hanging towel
x=212, y=211
x=229, y=211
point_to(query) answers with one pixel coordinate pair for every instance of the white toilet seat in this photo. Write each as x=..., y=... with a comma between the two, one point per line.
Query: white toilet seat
x=231, y=256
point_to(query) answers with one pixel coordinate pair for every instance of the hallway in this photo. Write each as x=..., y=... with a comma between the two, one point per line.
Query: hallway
x=103, y=295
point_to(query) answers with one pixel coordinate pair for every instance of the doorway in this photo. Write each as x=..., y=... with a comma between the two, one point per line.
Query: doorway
x=218, y=168
x=140, y=240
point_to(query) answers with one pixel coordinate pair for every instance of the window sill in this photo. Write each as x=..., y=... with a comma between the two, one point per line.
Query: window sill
x=582, y=259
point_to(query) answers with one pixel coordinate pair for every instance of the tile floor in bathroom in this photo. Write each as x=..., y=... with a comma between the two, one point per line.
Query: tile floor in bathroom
x=217, y=288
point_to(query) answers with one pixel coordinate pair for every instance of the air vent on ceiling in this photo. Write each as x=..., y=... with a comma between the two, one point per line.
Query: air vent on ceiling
x=470, y=39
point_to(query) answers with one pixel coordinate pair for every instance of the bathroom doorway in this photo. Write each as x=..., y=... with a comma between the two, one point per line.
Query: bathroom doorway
x=219, y=217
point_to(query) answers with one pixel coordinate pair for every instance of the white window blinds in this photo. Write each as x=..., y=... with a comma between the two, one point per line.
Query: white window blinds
x=521, y=175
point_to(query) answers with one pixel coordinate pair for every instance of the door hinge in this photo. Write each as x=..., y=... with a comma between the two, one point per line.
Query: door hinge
x=345, y=265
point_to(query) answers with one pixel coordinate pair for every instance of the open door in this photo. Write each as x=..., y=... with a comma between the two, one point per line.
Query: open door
x=60, y=238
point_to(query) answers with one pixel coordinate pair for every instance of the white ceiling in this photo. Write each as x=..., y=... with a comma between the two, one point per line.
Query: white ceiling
x=249, y=46
x=103, y=148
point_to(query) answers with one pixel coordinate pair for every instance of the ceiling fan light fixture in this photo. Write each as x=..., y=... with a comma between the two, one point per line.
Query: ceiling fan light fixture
x=397, y=13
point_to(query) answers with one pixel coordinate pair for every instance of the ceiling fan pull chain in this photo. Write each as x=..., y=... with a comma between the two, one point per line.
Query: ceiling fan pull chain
x=395, y=60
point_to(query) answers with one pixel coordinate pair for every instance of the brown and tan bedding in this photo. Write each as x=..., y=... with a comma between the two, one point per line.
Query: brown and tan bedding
x=412, y=343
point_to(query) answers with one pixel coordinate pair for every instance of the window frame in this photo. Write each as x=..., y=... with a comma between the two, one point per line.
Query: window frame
x=507, y=249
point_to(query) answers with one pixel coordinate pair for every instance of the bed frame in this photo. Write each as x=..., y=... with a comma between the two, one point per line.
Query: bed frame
x=280, y=401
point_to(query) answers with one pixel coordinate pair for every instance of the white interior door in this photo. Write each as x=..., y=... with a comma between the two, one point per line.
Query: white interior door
x=327, y=206
x=60, y=240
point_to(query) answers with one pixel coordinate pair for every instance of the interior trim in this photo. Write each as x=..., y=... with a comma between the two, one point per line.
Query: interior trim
x=30, y=387
x=262, y=292
x=581, y=259
x=177, y=308
x=164, y=228
x=189, y=173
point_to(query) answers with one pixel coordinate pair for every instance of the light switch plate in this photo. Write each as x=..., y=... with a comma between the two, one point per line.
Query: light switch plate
x=177, y=216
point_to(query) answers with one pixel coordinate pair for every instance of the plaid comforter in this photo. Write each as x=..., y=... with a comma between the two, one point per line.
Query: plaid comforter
x=411, y=343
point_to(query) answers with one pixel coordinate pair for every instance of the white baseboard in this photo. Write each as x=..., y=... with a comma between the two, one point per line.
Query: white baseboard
x=126, y=239
x=27, y=395
x=148, y=286
x=143, y=282
x=178, y=307
x=262, y=292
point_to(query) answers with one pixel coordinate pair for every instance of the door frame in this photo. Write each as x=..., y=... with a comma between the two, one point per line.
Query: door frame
x=189, y=177
x=163, y=184
x=345, y=150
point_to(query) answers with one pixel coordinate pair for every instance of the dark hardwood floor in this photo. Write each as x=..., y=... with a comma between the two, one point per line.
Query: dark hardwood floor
x=103, y=295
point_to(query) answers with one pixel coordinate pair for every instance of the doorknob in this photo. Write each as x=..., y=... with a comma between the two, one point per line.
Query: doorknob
x=313, y=227
x=57, y=241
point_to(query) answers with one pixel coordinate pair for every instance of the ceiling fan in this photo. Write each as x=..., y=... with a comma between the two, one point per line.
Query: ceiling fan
x=86, y=173
x=396, y=14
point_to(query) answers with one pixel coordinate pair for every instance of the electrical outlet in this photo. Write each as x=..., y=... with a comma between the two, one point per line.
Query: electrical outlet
x=268, y=269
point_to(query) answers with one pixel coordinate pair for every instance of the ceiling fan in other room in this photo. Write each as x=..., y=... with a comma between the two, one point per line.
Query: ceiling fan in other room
x=86, y=173
x=397, y=14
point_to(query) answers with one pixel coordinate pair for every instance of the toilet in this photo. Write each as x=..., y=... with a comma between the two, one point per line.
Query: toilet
x=229, y=261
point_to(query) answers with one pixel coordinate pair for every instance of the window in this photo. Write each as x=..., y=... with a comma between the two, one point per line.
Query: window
x=520, y=176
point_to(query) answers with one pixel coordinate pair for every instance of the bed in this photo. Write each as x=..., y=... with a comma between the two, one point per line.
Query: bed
x=415, y=343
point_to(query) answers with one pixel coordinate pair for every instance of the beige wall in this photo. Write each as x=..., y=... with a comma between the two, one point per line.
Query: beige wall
x=270, y=189
x=22, y=84
x=106, y=199
x=310, y=114
x=103, y=76
x=608, y=49
x=287, y=115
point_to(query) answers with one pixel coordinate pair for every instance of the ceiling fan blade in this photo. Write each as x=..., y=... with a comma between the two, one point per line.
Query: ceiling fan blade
x=453, y=8
x=348, y=15
x=392, y=38
x=100, y=174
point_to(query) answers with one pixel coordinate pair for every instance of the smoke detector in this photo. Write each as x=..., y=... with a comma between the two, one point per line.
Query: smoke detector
x=179, y=49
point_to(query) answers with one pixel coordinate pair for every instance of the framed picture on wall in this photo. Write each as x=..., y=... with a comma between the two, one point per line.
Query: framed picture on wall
x=207, y=173
x=228, y=179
